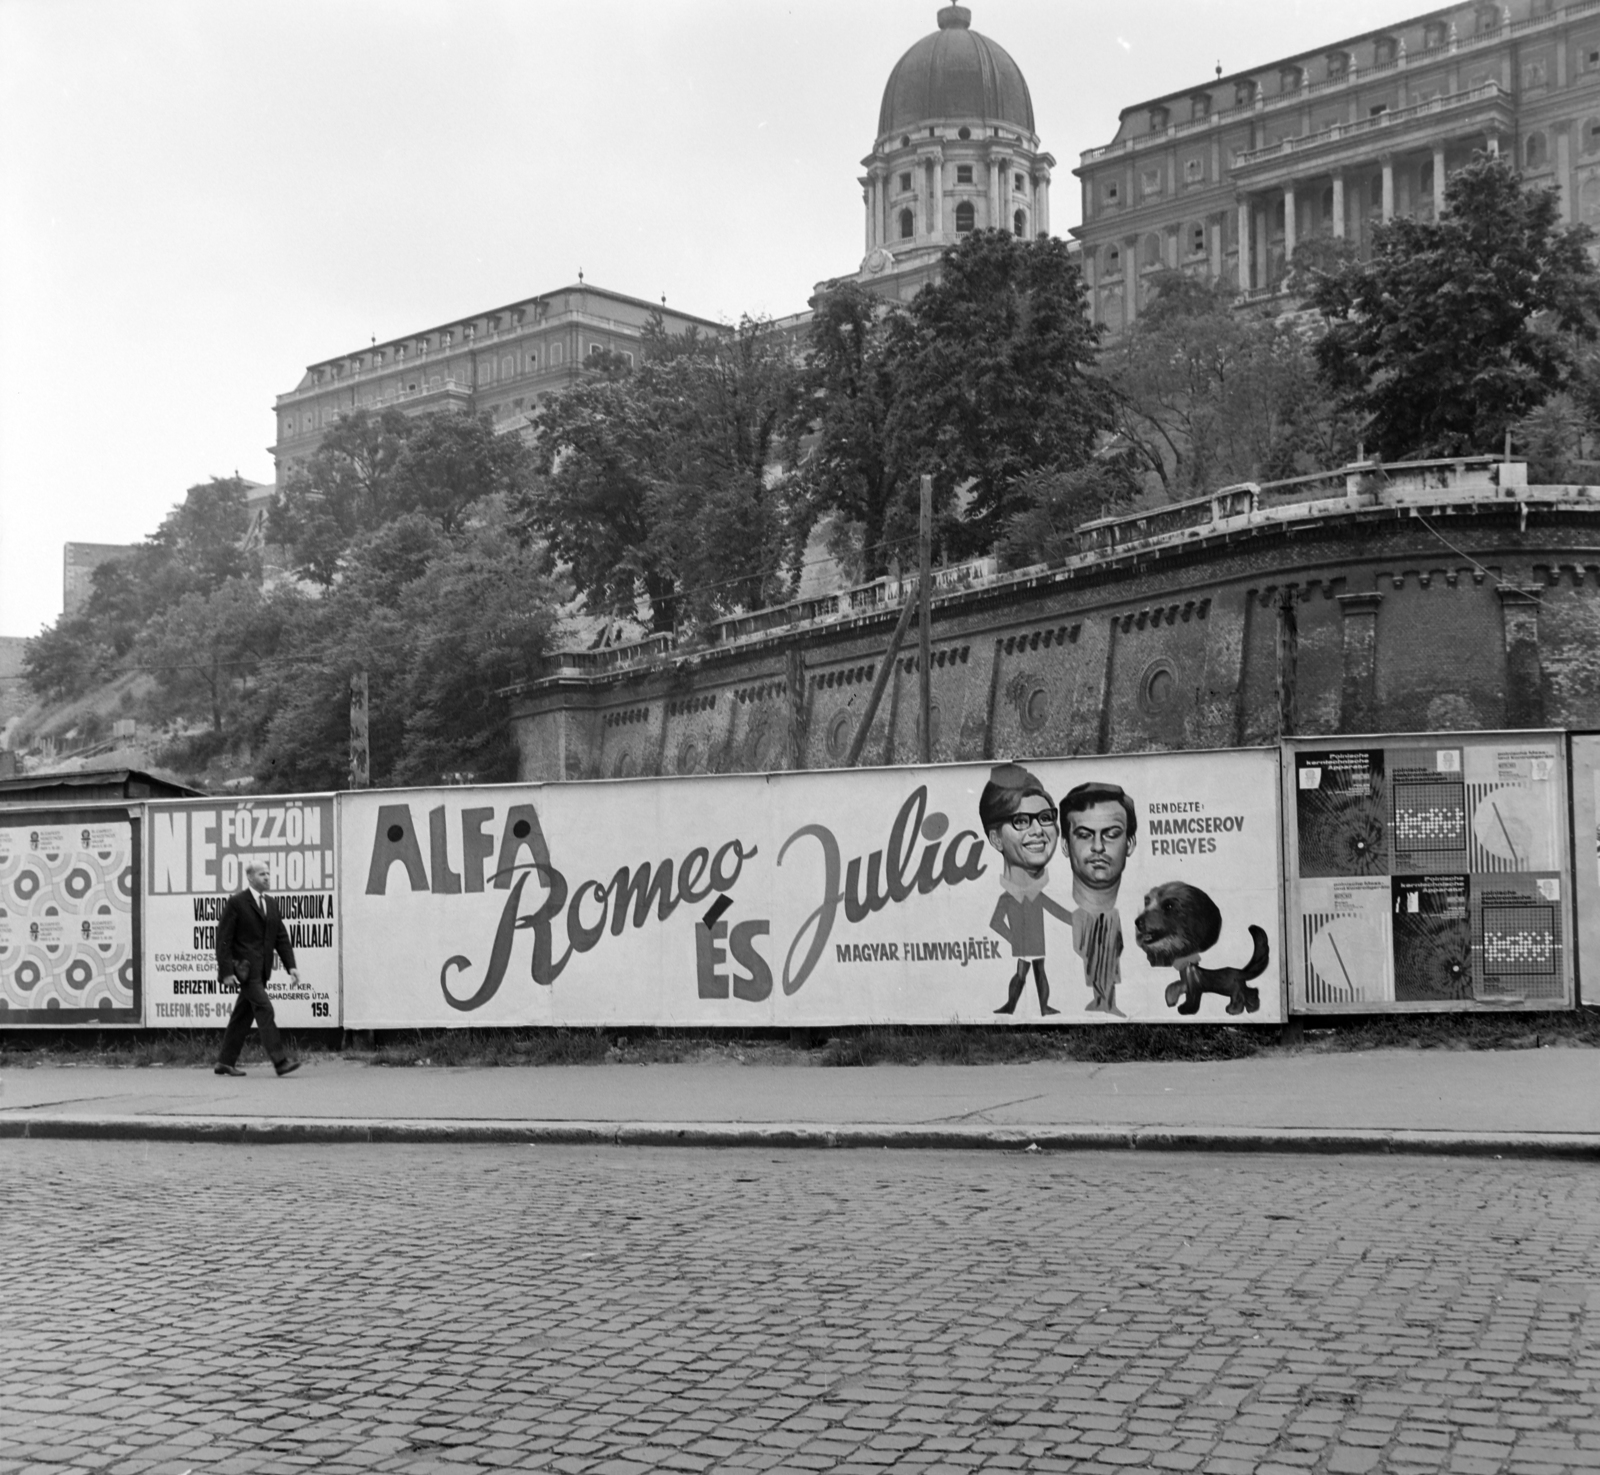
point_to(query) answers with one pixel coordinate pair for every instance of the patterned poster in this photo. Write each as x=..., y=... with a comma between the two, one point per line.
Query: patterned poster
x=199, y=851
x=1429, y=872
x=1065, y=890
x=69, y=918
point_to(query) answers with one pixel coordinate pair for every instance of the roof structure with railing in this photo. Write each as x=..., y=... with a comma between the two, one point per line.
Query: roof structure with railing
x=1137, y=128
x=1459, y=484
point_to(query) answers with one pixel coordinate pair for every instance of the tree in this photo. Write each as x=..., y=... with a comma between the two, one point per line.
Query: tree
x=66, y=659
x=1455, y=330
x=660, y=484
x=441, y=622
x=483, y=615
x=341, y=491
x=1055, y=504
x=842, y=403
x=373, y=467
x=995, y=381
x=198, y=548
x=204, y=650
x=1213, y=394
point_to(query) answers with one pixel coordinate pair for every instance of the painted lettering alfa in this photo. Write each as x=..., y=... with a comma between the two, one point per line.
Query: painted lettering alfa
x=571, y=921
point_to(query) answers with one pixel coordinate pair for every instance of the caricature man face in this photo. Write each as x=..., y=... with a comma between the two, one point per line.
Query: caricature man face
x=1097, y=843
x=1030, y=847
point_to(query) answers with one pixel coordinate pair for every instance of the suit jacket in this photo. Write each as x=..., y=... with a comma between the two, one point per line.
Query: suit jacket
x=246, y=940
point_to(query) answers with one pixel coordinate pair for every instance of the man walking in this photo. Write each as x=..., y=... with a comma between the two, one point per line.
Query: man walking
x=248, y=933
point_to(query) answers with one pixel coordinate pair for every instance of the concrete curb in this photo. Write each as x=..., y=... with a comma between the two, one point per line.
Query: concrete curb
x=266, y=1130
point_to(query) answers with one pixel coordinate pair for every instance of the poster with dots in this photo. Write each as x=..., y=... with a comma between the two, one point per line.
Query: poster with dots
x=69, y=918
x=1429, y=872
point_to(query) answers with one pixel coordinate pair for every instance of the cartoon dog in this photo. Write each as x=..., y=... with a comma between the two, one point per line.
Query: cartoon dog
x=1178, y=923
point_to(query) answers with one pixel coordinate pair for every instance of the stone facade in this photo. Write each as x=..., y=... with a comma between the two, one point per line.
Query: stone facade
x=1444, y=595
x=500, y=363
x=1224, y=179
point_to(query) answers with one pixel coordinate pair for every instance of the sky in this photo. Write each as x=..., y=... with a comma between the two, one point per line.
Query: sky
x=200, y=197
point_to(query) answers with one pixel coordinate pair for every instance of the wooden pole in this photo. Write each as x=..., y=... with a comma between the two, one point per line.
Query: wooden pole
x=360, y=755
x=881, y=680
x=925, y=617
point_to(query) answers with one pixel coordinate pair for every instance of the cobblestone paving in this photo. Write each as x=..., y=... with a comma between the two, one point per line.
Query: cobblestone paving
x=206, y=1309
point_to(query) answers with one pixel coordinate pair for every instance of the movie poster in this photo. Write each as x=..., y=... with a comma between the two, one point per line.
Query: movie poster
x=69, y=918
x=1082, y=890
x=1428, y=872
x=198, y=852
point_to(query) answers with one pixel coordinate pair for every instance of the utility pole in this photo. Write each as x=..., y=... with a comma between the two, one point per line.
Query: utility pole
x=922, y=604
x=924, y=633
x=360, y=754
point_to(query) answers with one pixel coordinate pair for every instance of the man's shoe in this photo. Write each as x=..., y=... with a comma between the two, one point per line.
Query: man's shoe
x=284, y=1067
x=226, y=1070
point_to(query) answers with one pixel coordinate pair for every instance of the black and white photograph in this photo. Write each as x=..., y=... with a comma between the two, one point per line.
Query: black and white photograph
x=741, y=735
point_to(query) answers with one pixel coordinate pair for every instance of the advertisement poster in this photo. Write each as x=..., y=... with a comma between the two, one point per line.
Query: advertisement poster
x=69, y=918
x=198, y=851
x=1586, y=860
x=1428, y=873
x=1139, y=887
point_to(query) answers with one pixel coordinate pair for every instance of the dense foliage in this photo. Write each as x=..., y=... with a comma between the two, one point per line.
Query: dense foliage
x=659, y=485
x=435, y=555
x=412, y=569
x=1457, y=329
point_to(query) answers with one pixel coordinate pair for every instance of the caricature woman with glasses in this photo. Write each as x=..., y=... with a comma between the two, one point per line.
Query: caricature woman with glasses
x=1020, y=821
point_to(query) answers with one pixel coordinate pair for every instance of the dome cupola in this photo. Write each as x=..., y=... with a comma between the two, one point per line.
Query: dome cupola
x=955, y=152
x=955, y=73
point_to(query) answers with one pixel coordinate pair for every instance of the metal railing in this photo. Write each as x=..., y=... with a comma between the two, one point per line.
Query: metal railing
x=1383, y=122
x=1359, y=487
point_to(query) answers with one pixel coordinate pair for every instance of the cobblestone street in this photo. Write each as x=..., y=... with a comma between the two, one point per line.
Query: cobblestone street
x=207, y=1309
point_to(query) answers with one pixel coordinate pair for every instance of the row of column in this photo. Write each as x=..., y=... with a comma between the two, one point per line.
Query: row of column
x=880, y=233
x=1290, y=222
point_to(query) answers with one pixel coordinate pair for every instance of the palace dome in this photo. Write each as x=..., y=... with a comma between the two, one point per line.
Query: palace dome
x=955, y=73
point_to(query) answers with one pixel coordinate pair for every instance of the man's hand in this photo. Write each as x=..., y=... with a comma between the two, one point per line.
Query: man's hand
x=294, y=973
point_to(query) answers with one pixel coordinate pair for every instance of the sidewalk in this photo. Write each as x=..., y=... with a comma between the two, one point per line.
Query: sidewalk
x=1539, y=1103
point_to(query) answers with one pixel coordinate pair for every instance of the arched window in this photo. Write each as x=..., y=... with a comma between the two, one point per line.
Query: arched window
x=1019, y=224
x=908, y=225
x=1591, y=135
x=1534, y=150
x=963, y=217
x=1197, y=238
x=1113, y=261
x=1151, y=253
x=1425, y=180
x=1375, y=194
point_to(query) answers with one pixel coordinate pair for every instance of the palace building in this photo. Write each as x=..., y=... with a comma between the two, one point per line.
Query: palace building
x=1225, y=178
x=499, y=362
x=955, y=151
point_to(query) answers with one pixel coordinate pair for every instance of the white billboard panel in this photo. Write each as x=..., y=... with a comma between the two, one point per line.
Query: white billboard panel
x=197, y=852
x=844, y=897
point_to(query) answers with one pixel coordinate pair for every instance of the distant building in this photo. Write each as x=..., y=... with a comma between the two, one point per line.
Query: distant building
x=500, y=362
x=1225, y=178
x=79, y=561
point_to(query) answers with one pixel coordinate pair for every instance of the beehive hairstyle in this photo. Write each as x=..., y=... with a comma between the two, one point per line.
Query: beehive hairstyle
x=1009, y=784
x=1086, y=796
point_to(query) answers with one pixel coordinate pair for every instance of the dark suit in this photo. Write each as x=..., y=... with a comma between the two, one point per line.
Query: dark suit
x=246, y=940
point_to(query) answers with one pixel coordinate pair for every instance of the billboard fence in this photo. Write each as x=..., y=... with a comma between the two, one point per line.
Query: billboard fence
x=1325, y=876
